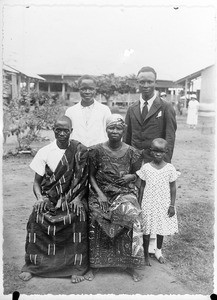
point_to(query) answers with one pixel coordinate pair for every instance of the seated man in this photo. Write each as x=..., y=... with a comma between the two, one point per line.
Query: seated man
x=56, y=242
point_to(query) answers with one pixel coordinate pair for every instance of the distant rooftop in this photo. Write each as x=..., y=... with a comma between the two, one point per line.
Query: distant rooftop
x=25, y=73
x=192, y=75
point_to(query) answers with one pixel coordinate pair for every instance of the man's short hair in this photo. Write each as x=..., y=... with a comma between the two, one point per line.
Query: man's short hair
x=86, y=77
x=63, y=118
x=147, y=69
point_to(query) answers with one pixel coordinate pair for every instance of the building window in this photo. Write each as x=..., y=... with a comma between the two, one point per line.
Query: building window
x=56, y=87
x=43, y=86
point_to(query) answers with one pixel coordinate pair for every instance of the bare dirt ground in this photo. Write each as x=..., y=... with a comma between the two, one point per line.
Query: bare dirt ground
x=193, y=156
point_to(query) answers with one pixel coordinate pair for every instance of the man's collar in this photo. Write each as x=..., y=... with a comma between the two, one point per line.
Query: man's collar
x=54, y=145
x=91, y=105
x=150, y=101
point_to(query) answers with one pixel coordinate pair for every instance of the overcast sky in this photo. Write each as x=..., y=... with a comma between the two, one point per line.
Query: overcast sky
x=96, y=40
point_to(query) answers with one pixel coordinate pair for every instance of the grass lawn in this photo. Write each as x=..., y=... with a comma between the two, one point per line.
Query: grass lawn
x=190, y=252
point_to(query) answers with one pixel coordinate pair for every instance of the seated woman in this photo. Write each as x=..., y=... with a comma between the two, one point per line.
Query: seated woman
x=56, y=242
x=115, y=237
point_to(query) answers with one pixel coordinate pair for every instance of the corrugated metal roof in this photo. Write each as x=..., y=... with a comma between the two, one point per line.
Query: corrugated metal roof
x=191, y=76
x=166, y=84
x=9, y=69
x=26, y=73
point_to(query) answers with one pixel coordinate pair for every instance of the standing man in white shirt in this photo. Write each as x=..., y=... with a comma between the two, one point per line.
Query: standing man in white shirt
x=88, y=116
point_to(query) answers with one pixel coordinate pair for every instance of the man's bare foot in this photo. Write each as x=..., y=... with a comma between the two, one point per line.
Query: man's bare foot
x=136, y=276
x=147, y=262
x=25, y=276
x=90, y=274
x=76, y=278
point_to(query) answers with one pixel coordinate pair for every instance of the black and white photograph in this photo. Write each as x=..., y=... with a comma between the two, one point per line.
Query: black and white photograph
x=108, y=149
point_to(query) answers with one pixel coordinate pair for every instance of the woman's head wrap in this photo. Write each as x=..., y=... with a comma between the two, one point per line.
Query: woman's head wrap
x=116, y=119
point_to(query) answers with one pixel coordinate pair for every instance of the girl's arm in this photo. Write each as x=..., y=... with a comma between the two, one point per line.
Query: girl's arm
x=171, y=210
x=102, y=199
x=141, y=186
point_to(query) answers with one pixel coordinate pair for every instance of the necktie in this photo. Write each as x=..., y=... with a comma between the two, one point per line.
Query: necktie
x=145, y=110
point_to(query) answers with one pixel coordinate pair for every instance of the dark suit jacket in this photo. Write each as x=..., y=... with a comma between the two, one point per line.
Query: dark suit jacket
x=160, y=122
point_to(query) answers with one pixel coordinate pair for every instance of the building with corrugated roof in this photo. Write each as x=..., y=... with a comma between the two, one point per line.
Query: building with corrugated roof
x=206, y=93
x=62, y=84
x=14, y=79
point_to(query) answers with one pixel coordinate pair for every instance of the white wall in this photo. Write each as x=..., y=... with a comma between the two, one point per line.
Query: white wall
x=208, y=85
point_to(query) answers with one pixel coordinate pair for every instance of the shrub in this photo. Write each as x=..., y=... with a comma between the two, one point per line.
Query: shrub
x=28, y=115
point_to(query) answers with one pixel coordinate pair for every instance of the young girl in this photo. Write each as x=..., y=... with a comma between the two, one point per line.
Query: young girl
x=158, y=200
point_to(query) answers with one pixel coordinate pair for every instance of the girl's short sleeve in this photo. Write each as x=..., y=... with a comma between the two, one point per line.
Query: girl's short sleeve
x=142, y=173
x=173, y=174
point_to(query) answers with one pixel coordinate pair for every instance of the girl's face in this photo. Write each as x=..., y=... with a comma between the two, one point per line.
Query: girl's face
x=115, y=132
x=158, y=152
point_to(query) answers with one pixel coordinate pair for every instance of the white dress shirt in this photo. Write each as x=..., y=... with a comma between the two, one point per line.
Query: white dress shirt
x=86, y=111
x=150, y=101
x=89, y=124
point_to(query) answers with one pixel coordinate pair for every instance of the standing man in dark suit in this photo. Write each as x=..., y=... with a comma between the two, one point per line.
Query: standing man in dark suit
x=150, y=117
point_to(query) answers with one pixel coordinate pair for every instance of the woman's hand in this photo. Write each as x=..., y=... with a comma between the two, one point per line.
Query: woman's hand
x=78, y=207
x=103, y=202
x=126, y=179
x=41, y=205
x=171, y=211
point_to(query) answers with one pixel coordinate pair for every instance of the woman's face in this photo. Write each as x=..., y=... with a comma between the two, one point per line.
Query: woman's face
x=115, y=132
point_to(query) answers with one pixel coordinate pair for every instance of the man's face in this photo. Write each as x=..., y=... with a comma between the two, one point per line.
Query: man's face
x=146, y=81
x=87, y=90
x=62, y=131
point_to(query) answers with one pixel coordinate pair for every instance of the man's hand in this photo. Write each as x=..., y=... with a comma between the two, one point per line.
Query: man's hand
x=41, y=205
x=171, y=211
x=78, y=207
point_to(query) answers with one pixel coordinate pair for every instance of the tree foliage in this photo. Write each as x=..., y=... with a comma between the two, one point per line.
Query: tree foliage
x=109, y=84
x=26, y=116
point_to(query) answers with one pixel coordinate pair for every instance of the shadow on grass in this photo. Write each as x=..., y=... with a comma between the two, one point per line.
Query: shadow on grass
x=190, y=252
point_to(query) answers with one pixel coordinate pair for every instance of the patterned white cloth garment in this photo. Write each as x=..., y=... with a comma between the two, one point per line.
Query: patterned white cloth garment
x=156, y=200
